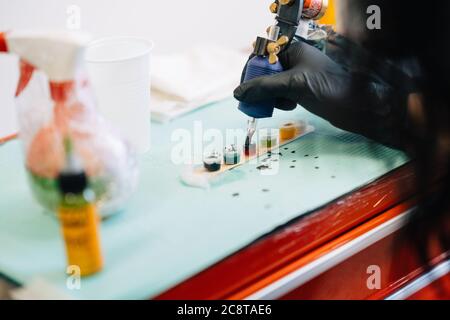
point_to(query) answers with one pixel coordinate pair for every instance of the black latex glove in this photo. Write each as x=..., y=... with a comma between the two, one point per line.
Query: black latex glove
x=351, y=98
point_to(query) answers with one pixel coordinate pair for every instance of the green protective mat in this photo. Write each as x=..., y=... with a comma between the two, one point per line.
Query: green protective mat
x=171, y=232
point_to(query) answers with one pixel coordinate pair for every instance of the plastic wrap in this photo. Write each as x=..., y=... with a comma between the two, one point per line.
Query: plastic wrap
x=49, y=113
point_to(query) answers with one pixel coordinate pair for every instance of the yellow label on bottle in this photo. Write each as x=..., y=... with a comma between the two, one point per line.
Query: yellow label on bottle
x=80, y=228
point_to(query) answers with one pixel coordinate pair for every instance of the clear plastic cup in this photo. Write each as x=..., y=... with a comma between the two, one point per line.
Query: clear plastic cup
x=119, y=69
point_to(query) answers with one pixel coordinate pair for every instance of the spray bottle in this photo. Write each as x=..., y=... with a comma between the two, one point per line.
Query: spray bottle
x=54, y=101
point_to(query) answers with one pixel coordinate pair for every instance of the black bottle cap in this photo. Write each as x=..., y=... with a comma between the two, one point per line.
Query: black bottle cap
x=74, y=183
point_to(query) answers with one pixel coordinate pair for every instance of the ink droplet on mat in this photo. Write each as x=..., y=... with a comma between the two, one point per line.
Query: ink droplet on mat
x=235, y=194
x=265, y=190
x=263, y=167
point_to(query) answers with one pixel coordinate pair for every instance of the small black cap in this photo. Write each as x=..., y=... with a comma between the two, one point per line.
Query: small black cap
x=74, y=183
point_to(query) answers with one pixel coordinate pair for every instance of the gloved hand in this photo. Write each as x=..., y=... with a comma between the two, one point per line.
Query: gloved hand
x=307, y=69
x=351, y=98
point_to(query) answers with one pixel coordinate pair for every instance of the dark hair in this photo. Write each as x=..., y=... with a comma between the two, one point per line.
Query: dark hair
x=419, y=32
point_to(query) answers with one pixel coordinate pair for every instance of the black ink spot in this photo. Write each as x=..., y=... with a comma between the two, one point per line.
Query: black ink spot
x=235, y=195
x=265, y=190
x=263, y=167
x=293, y=151
x=306, y=155
x=286, y=148
x=333, y=177
x=292, y=167
x=316, y=157
x=294, y=160
x=317, y=168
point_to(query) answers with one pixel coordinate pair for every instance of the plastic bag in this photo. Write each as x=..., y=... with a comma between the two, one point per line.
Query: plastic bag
x=49, y=113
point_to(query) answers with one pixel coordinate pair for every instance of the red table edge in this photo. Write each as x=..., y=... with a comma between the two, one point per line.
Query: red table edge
x=235, y=274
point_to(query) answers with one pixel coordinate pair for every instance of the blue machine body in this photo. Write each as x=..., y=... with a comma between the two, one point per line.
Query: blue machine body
x=259, y=66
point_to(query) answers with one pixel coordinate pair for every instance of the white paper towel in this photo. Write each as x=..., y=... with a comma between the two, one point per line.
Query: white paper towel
x=185, y=81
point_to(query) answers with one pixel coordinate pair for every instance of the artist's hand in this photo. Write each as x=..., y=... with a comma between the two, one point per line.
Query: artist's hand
x=351, y=100
x=309, y=74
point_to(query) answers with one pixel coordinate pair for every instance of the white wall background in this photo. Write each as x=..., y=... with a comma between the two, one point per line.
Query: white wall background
x=171, y=24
